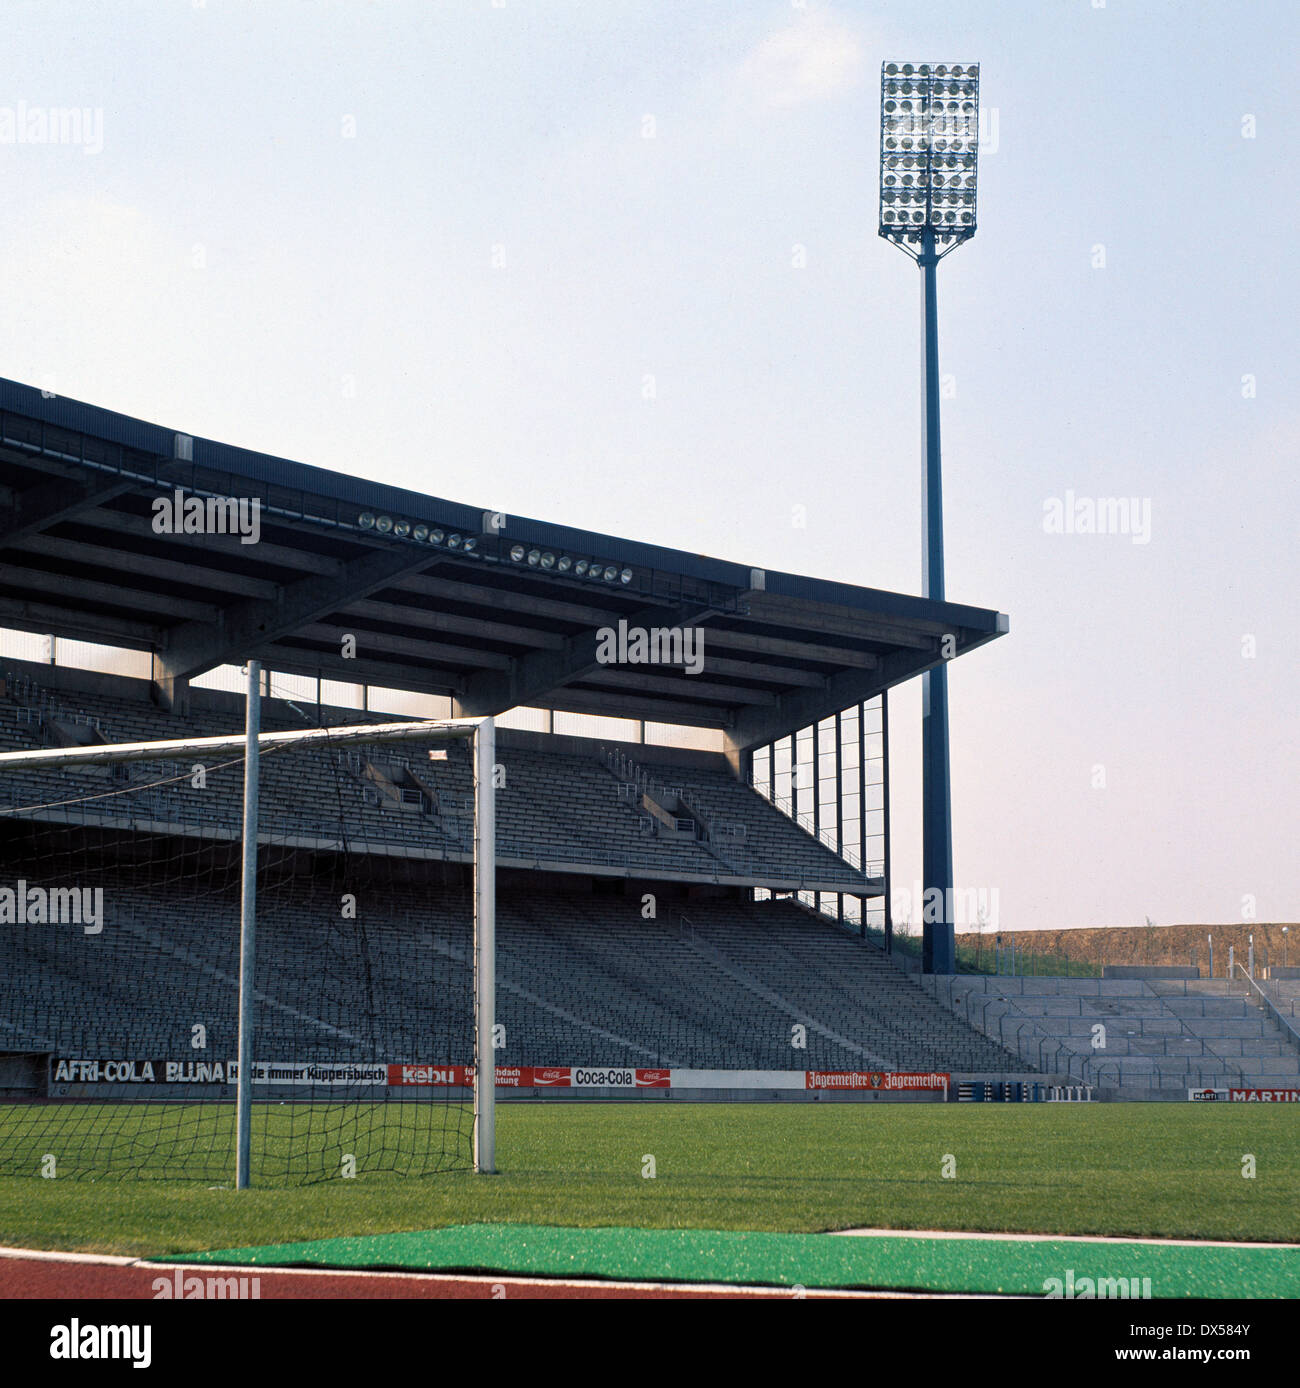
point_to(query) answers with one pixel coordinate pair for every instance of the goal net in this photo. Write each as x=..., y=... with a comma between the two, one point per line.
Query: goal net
x=122, y=938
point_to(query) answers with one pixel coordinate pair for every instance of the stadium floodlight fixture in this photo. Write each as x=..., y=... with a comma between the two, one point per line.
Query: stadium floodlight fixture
x=517, y=553
x=469, y=544
x=611, y=573
x=548, y=560
x=580, y=569
x=384, y=524
x=929, y=155
x=402, y=529
x=563, y=564
x=534, y=558
x=626, y=576
x=453, y=541
x=420, y=533
x=366, y=520
x=595, y=571
x=436, y=537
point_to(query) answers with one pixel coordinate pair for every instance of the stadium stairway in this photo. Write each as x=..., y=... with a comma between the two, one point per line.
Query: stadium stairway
x=1140, y=1038
x=745, y=832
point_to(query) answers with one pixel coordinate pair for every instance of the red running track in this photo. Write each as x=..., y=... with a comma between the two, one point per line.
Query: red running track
x=55, y=1278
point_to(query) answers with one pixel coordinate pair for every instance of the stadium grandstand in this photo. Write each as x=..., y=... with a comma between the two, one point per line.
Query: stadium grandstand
x=692, y=836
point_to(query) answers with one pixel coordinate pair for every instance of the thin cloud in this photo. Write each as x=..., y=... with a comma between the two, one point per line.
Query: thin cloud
x=810, y=61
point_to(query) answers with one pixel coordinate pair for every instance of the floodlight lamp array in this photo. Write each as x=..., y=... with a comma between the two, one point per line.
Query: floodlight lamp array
x=417, y=532
x=535, y=557
x=569, y=565
x=929, y=152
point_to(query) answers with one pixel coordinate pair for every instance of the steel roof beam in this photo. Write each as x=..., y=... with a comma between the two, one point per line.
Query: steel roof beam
x=416, y=679
x=192, y=574
x=132, y=597
x=41, y=618
x=796, y=650
x=416, y=647
x=37, y=508
x=752, y=728
x=540, y=672
x=264, y=552
x=649, y=710
x=621, y=677
x=254, y=623
x=510, y=634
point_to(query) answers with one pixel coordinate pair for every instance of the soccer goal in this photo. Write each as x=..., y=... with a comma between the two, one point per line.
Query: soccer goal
x=257, y=958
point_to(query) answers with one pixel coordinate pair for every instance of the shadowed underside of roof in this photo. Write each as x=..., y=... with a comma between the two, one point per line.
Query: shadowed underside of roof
x=81, y=556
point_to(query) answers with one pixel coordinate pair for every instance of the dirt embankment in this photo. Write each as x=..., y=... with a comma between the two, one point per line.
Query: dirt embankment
x=1154, y=944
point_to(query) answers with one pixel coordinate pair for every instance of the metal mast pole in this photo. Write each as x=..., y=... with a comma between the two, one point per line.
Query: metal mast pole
x=938, y=943
x=247, y=929
x=884, y=776
x=929, y=147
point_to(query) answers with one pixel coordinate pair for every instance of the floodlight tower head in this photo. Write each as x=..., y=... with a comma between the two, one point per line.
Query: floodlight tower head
x=929, y=152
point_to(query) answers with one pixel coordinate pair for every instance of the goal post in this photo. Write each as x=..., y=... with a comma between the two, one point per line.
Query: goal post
x=485, y=1069
x=46, y=812
x=247, y=928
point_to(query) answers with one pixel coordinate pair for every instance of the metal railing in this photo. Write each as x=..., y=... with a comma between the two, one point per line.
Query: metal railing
x=1268, y=1002
x=34, y=704
x=635, y=780
x=931, y=983
x=1089, y=1069
x=853, y=856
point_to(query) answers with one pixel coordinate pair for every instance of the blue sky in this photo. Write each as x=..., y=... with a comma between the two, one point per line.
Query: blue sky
x=456, y=246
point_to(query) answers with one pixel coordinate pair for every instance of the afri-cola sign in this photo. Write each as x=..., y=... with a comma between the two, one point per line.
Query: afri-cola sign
x=136, y=1072
x=143, y=1071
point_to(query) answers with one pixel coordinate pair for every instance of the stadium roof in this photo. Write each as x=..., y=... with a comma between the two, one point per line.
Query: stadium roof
x=494, y=624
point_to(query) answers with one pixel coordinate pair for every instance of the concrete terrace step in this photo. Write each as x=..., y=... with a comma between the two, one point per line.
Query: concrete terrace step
x=1172, y=1030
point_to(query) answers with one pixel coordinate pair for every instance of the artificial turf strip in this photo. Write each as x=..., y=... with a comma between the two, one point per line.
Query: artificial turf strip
x=997, y=1266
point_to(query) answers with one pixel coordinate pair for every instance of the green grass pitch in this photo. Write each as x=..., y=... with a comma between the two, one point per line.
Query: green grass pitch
x=1153, y=1170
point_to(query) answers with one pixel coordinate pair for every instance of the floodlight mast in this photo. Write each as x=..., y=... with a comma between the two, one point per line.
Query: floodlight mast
x=929, y=147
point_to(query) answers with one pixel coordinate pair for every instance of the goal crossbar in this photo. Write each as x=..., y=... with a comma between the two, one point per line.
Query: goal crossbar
x=48, y=758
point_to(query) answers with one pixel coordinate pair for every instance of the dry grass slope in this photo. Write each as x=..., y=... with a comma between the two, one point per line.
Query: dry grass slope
x=1154, y=945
